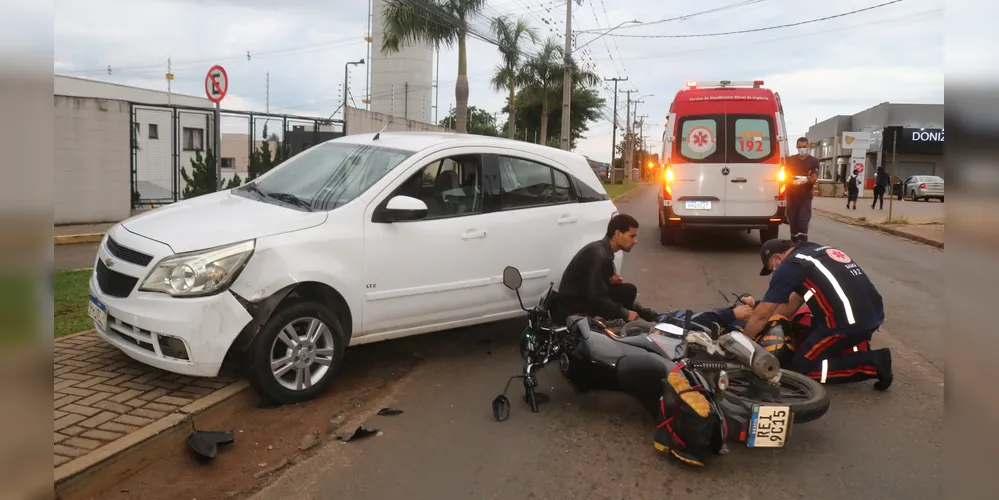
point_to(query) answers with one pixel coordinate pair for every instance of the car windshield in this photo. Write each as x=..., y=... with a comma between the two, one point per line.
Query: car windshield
x=931, y=179
x=326, y=176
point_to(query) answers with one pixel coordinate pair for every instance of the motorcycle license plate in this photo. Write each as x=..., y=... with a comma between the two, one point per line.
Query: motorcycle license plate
x=769, y=426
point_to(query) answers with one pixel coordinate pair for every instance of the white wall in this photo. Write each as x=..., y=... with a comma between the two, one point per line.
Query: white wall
x=359, y=121
x=390, y=73
x=82, y=87
x=92, y=181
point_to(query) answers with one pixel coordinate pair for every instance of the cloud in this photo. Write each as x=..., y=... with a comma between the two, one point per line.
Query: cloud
x=839, y=66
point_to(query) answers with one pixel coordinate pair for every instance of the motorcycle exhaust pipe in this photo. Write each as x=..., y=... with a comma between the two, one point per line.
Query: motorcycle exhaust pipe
x=752, y=355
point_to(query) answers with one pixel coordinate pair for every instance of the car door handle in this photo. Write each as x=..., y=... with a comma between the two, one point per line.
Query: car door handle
x=739, y=179
x=567, y=219
x=472, y=234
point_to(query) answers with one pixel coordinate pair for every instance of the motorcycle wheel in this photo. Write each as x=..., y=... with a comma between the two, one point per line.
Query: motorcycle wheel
x=807, y=398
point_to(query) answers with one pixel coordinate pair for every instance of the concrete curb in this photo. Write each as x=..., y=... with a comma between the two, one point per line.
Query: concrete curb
x=879, y=227
x=72, y=239
x=623, y=196
x=106, y=466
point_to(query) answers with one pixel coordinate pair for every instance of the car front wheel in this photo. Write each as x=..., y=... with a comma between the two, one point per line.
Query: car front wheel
x=297, y=353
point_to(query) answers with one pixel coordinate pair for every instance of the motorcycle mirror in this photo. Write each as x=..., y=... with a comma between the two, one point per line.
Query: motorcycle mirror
x=512, y=278
x=501, y=408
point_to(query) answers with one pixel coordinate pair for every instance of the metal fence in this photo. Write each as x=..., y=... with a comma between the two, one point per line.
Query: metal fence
x=166, y=139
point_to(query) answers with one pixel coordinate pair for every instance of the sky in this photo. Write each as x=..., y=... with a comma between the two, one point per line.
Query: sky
x=838, y=66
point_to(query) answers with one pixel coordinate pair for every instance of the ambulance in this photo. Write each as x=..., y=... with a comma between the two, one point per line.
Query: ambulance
x=723, y=157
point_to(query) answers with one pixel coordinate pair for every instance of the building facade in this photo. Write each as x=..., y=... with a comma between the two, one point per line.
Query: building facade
x=401, y=82
x=906, y=139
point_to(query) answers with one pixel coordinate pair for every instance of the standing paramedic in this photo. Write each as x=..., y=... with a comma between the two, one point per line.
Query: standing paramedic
x=804, y=169
x=846, y=310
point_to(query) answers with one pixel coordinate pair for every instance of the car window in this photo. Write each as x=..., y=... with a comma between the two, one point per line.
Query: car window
x=450, y=187
x=525, y=183
x=698, y=138
x=752, y=139
x=326, y=176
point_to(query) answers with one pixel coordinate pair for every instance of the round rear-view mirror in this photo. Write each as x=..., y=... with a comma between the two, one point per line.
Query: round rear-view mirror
x=512, y=278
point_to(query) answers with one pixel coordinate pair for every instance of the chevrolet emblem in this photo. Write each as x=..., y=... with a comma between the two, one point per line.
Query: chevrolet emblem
x=108, y=262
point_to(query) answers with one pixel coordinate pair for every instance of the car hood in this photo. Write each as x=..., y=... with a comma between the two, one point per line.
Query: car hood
x=217, y=219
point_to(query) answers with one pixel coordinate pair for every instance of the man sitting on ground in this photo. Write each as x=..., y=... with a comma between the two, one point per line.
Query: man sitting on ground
x=591, y=286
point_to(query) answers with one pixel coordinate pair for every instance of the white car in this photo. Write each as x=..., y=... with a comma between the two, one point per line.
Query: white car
x=363, y=238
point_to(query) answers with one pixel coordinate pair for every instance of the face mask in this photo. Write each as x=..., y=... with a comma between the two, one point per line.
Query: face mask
x=802, y=151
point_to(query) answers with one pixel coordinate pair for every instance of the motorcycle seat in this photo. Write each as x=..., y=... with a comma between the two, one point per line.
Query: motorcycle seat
x=642, y=342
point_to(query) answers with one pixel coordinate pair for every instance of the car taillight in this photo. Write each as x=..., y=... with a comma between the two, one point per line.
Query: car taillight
x=922, y=185
x=782, y=187
x=668, y=183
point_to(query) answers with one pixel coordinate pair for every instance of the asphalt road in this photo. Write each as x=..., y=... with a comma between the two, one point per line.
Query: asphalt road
x=599, y=445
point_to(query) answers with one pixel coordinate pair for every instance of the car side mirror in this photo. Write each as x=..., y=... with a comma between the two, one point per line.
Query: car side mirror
x=404, y=208
x=512, y=278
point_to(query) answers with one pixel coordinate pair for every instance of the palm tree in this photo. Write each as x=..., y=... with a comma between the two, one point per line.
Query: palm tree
x=542, y=79
x=510, y=37
x=435, y=22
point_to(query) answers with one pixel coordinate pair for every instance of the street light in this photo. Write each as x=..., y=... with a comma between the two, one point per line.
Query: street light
x=567, y=74
x=346, y=67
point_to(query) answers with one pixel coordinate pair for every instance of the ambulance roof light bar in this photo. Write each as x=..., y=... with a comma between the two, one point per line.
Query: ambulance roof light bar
x=725, y=84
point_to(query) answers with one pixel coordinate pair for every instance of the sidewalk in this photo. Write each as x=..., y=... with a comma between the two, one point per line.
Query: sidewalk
x=925, y=219
x=81, y=233
x=105, y=404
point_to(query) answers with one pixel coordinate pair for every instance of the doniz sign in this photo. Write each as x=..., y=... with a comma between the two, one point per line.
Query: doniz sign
x=923, y=135
x=856, y=140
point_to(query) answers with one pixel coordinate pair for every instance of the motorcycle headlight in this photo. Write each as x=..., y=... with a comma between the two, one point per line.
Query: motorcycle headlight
x=198, y=273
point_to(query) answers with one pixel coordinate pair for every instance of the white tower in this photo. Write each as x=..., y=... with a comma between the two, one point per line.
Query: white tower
x=400, y=82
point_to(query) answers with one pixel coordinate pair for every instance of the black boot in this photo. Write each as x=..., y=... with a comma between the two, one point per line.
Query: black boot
x=885, y=375
x=646, y=313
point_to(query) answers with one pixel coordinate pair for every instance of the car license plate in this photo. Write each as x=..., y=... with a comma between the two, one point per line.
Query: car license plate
x=698, y=205
x=769, y=426
x=98, y=312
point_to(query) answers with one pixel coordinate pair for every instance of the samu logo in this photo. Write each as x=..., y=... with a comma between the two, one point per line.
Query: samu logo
x=838, y=256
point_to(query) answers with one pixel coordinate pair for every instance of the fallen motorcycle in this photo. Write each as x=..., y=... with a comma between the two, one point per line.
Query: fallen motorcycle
x=703, y=387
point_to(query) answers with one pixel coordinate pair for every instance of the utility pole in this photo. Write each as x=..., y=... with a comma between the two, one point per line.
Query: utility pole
x=169, y=79
x=627, y=136
x=268, y=92
x=614, y=133
x=567, y=77
x=367, y=70
x=405, y=113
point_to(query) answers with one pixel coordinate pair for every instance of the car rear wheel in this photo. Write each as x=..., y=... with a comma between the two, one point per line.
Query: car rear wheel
x=770, y=233
x=912, y=196
x=668, y=235
x=297, y=353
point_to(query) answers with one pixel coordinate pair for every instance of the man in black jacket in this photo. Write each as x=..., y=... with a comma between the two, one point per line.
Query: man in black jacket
x=591, y=286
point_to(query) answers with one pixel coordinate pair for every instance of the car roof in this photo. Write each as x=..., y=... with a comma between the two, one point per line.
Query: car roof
x=418, y=141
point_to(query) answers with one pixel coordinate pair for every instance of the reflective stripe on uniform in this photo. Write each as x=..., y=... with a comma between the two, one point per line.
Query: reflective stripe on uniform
x=847, y=308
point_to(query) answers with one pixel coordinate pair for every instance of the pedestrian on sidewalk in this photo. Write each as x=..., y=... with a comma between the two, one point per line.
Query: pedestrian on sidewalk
x=882, y=180
x=853, y=189
x=805, y=172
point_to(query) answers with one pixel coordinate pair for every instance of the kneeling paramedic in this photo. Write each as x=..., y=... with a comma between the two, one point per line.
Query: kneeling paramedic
x=846, y=309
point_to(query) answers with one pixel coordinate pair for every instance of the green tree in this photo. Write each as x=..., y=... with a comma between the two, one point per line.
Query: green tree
x=438, y=23
x=262, y=160
x=481, y=122
x=511, y=37
x=542, y=80
x=585, y=107
x=202, y=178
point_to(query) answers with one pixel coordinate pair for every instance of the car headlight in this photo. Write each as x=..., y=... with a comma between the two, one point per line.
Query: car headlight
x=198, y=273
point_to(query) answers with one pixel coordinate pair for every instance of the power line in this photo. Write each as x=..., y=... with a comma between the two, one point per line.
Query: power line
x=676, y=55
x=688, y=16
x=768, y=28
